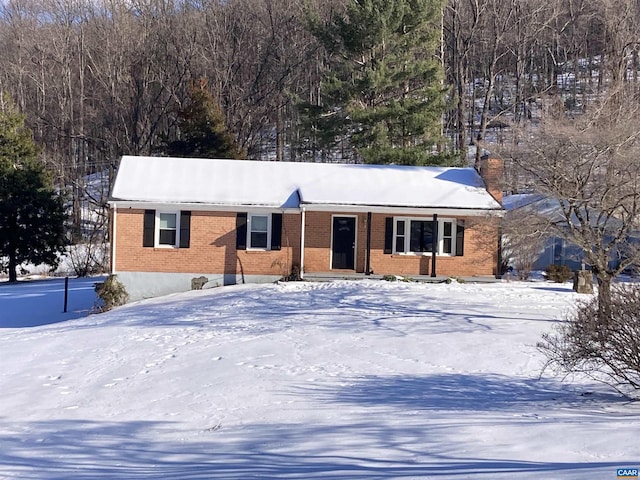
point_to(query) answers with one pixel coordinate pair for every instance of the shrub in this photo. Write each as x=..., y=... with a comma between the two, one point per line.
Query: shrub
x=87, y=259
x=455, y=279
x=558, y=273
x=607, y=349
x=112, y=293
x=396, y=278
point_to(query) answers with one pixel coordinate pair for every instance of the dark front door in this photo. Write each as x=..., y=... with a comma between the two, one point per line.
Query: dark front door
x=344, y=243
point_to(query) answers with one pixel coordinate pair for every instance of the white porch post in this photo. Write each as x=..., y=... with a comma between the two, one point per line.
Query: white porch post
x=304, y=216
x=113, y=239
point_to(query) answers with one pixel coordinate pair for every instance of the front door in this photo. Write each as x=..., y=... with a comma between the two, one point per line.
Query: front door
x=344, y=243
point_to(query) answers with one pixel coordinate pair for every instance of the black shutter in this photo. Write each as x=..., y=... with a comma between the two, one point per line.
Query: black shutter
x=276, y=231
x=149, y=228
x=388, y=235
x=241, y=231
x=460, y=238
x=434, y=244
x=185, y=228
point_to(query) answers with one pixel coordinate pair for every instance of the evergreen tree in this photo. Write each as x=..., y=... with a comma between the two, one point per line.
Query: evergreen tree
x=31, y=212
x=383, y=89
x=203, y=133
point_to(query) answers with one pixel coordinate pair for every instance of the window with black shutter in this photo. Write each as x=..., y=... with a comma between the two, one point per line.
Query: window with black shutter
x=460, y=238
x=149, y=228
x=388, y=235
x=424, y=236
x=185, y=228
x=241, y=231
x=276, y=231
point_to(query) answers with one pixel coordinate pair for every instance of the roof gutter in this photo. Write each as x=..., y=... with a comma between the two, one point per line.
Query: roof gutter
x=406, y=210
x=203, y=207
x=315, y=207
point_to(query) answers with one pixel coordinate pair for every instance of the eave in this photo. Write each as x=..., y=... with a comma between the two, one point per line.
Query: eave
x=312, y=207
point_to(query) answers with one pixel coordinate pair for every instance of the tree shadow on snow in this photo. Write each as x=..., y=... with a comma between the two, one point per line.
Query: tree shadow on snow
x=86, y=450
x=460, y=393
x=566, y=289
x=327, y=306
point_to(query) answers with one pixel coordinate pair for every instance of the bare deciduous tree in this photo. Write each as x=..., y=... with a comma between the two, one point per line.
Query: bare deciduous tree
x=590, y=165
x=524, y=234
x=609, y=353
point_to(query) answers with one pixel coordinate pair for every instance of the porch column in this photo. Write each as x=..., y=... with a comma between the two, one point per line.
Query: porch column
x=434, y=244
x=367, y=265
x=113, y=238
x=499, y=259
x=304, y=216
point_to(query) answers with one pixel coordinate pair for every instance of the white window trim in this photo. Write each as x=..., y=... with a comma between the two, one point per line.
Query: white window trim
x=157, y=228
x=407, y=236
x=249, y=219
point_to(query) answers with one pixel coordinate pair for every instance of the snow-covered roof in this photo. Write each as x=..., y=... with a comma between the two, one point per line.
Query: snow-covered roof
x=291, y=185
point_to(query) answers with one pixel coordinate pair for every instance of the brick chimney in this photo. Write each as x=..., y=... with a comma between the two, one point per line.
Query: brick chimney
x=492, y=172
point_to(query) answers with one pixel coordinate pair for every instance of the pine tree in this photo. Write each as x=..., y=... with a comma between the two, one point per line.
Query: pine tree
x=203, y=133
x=383, y=90
x=31, y=212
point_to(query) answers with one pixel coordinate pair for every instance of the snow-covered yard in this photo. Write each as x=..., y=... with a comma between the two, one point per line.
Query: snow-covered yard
x=31, y=303
x=338, y=380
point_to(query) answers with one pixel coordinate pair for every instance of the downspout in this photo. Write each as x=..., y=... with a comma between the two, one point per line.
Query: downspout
x=304, y=217
x=113, y=240
x=434, y=244
x=499, y=260
x=367, y=266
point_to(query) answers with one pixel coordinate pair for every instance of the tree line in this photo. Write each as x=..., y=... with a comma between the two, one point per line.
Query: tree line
x=100, y=78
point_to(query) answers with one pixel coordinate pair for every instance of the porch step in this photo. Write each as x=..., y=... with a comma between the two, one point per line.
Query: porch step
x=329, y=276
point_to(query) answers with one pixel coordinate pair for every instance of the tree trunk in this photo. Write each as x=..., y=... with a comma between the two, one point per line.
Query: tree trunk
x=604, y=298
x=13, y=267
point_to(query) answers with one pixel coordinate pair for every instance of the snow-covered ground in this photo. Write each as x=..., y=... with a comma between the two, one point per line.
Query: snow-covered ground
x=41, y=301
x=338, y=380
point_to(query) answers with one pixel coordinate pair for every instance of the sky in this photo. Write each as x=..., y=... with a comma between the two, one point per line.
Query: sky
x=301, y=380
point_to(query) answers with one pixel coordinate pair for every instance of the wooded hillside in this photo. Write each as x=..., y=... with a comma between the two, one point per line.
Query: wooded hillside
x=100, y=78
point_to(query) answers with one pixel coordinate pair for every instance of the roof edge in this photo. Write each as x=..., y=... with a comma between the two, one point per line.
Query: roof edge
x=343, y=208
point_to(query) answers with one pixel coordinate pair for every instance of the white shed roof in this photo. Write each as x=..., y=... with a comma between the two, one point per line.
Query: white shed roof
x=282, y=185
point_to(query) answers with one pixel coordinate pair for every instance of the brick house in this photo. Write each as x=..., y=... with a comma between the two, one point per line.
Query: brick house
x=235, y=221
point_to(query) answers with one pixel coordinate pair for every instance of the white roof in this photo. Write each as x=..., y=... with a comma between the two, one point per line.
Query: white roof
x=282, y=185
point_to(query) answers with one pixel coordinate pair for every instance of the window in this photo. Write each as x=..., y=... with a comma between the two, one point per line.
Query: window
x=400, y=235
x=258, y=231
x=166, y=229
x=447, y=238
x=420, y=234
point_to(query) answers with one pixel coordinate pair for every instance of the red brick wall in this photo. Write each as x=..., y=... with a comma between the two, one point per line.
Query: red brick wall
x=318, y=231
x=212, y=247
x=480, y=253
x=480, y=249
x=492, y=172
x=317, y=252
